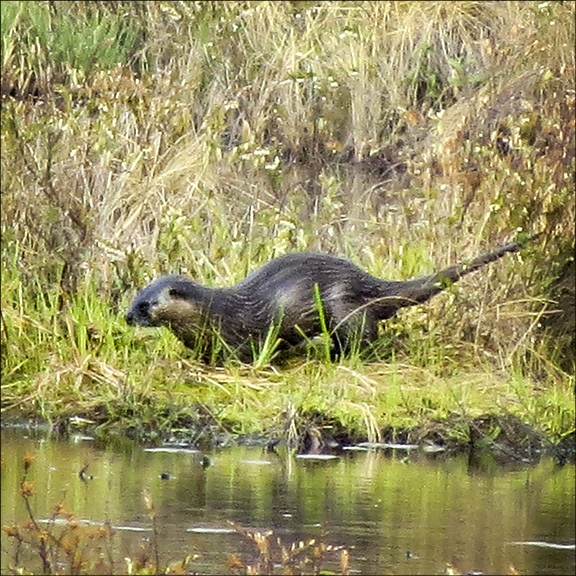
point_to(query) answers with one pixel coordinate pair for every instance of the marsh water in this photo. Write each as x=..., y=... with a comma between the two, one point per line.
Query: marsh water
x=394, y=510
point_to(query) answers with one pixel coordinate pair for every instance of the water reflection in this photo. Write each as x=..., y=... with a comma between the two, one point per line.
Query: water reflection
x=402, y=513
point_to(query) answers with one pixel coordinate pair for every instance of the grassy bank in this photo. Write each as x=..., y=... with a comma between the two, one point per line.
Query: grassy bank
x=208, y=137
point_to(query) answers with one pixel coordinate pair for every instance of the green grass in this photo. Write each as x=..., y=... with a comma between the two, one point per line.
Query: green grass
x=44, y=44
x=206, y=138
x=87, y=362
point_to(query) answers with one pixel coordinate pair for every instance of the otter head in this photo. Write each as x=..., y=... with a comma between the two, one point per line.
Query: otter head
x=145, y=308
x=174, y=301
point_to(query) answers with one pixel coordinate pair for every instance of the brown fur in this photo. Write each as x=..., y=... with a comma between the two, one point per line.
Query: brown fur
x=284, y=295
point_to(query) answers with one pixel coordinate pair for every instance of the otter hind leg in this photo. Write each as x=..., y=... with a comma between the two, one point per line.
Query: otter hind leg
x=355, y=332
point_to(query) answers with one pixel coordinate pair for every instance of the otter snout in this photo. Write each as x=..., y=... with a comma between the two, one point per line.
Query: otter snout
x=139, y=314
x=130, y=318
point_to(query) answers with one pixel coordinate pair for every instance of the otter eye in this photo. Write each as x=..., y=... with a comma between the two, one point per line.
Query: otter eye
x=177, y=293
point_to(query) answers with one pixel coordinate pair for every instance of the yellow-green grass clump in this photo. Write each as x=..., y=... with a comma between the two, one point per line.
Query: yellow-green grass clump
x=206, y=138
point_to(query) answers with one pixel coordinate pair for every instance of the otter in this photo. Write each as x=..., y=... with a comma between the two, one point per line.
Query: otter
x=292, y=298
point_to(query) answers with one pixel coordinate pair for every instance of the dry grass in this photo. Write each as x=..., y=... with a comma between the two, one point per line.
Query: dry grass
x=403, y=135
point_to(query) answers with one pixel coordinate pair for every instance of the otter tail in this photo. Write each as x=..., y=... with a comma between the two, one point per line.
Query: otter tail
x=422, y=289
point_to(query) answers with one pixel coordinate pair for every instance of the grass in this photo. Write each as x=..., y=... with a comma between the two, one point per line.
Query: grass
x=206, y=138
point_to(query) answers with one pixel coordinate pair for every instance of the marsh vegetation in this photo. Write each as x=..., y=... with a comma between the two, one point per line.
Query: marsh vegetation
x=143, y=138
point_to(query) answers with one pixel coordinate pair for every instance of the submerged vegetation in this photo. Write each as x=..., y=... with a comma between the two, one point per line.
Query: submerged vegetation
x=142, y=138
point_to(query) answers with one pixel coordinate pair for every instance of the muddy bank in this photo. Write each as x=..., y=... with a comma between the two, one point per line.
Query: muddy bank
x=501, y=439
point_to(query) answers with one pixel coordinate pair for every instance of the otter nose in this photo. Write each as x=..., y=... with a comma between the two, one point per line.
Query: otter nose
x=130, y=320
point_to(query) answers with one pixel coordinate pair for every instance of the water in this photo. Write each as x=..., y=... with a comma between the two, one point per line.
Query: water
x=394, y=511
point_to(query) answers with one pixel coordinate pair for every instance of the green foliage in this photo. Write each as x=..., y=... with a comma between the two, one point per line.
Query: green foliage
x=65, y=41
x=325, y=333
